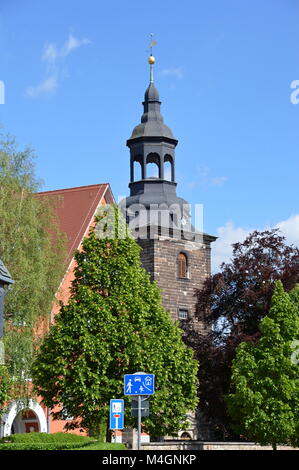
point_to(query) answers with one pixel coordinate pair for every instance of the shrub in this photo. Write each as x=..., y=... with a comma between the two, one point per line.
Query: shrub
x=44, y=441
x=45, y=437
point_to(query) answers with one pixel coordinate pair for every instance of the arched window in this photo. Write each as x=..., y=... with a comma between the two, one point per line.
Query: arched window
x=137, y=168
x=137, y=171
x=182, y=265
x=153, y=168
x=167, y=171
x=168, y=168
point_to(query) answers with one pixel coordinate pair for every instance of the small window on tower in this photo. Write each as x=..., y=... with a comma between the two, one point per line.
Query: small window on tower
x=182, y=266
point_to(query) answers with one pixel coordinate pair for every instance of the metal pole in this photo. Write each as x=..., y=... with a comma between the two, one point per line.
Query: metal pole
x=139, y=422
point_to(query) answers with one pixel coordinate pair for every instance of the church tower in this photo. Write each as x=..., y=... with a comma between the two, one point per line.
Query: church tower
x=173, y=252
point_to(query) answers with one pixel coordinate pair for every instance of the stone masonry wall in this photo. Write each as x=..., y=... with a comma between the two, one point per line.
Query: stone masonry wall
x=159, y=257
x=198, y=445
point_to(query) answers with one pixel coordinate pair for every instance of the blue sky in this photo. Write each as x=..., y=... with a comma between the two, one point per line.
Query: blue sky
x=75, y=73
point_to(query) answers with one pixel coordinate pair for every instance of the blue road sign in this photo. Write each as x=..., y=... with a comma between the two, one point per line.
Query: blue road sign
x=139, y=384
x=116, y=414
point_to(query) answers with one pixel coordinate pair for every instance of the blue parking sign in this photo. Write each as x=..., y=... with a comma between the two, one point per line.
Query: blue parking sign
x=139, y=384
x=116, y=414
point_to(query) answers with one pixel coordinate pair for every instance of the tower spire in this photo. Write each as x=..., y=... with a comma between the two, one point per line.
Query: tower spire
x=152, y=152
x=151, y=59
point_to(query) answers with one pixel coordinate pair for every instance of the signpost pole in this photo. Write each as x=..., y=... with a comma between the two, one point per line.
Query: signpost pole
x=139, y=384
x=139, y=422
x=116, y=421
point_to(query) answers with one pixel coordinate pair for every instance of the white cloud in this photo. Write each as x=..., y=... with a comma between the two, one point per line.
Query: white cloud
x=290, y=229
x=175, y=72
x=219, y=180
x=73, y=43
x=54, y=58
x=204, y=178
x=50, y=53
x=47, y=86
x=229, y=234
x=221, y=248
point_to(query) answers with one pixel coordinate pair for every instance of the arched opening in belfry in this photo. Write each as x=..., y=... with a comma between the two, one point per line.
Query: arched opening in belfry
x=152, y=170
x=137, y=171
x=168, y=168
x=153, y=166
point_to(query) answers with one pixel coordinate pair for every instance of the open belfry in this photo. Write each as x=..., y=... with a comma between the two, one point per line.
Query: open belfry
x=175, y=254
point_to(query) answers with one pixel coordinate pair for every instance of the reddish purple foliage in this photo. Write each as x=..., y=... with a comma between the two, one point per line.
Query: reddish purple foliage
x=231, y=304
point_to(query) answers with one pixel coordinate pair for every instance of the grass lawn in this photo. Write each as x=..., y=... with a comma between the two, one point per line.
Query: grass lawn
x=103, y=446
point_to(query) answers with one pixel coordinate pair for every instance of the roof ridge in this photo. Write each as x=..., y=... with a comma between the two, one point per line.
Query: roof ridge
x=75, y=188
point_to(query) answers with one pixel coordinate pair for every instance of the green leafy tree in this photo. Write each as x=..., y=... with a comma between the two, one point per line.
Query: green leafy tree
x=34, y=256
x=265, y=401
x=114, y=324
x=5, y=388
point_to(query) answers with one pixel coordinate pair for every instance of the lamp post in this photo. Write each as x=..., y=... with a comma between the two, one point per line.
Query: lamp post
x=5, y=283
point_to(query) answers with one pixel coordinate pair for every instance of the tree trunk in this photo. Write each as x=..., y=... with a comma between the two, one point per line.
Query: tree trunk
x=108, y=433
x=98, y=429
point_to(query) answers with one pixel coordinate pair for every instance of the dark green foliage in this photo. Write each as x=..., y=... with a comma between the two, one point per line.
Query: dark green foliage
x=265, y=400
x=114, y=324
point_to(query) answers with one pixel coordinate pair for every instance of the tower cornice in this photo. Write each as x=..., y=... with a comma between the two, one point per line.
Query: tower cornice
x=151, y=139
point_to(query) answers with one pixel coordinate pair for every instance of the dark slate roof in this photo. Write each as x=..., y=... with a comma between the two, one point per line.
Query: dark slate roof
x=152, y=124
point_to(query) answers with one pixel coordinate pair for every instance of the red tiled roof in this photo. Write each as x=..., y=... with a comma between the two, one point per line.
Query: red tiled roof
x=75, y=210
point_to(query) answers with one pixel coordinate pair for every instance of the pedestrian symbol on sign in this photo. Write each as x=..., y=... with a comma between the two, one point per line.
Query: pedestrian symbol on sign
x=116, y=407
x=129, y=387
x=139, y=384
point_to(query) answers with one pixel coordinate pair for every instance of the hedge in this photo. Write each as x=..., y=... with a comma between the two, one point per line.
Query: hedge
x=45, y=437
x=42, y=446
x=55, y=441
x=44, y=441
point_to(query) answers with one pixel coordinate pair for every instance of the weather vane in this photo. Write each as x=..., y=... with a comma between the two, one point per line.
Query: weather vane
x=151, y=59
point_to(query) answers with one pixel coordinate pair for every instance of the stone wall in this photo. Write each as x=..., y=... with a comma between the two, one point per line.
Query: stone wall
x=159, y=258
x=199, y=445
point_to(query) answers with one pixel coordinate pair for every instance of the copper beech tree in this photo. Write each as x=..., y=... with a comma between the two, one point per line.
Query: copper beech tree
x=232, y=303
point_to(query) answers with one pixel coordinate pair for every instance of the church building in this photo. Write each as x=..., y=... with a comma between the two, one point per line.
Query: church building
x=175, y=254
